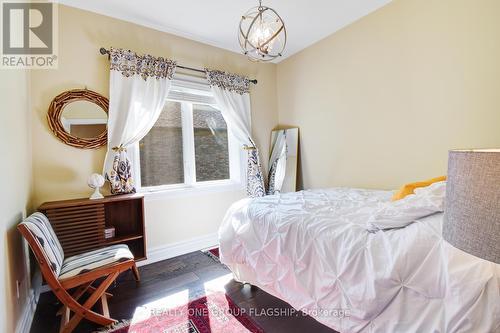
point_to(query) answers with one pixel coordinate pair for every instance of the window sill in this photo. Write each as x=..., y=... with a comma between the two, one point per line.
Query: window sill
x=178, y=191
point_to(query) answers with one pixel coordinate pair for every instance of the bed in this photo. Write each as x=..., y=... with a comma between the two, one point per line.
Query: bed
x=357, y=262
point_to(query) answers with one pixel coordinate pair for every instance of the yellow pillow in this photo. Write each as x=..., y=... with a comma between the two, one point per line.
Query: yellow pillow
x=410, y=188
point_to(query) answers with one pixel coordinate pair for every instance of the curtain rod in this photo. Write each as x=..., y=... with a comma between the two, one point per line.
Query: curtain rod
x=104, y=51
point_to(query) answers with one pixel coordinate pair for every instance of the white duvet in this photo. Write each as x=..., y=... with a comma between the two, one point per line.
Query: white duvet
x=331, y=254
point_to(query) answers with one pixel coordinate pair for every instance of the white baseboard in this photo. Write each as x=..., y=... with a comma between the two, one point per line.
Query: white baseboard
x=33, y=291
x=176, y=249
x=26, y=319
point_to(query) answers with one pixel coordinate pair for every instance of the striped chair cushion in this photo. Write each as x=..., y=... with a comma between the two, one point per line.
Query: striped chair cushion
x=88, y=261
x=40, y=228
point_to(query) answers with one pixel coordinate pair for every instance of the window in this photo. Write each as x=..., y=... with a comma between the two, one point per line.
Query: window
x=189, y=146
x=161, y=150
x=211, y=149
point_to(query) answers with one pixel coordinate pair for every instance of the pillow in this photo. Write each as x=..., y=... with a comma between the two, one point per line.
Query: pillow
x=410, y=188
x=397, y=214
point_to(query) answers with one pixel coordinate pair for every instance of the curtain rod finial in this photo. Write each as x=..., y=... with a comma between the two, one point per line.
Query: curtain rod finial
x=103, y=51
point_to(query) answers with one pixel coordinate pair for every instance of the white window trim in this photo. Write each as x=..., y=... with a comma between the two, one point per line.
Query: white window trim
x=188, y=91
x=181, y=190
x=188, y=153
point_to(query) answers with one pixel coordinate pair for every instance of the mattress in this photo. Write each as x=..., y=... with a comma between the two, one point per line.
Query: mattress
x=314, y=250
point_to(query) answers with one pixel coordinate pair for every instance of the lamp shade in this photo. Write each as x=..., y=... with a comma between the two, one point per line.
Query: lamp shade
x=472, y=211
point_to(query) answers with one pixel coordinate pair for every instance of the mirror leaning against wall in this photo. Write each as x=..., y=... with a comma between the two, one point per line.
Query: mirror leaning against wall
x=283, y=161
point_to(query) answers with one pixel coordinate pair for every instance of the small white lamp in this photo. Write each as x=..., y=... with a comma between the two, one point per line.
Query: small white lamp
x=96, y=181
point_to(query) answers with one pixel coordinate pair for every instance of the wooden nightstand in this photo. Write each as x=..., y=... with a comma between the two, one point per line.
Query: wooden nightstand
x=79, y=223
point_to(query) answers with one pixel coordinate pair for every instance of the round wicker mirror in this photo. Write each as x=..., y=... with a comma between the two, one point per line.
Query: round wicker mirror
x=79, y=118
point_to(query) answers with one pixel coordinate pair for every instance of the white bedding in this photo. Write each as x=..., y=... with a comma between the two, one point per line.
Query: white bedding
x=318, y=251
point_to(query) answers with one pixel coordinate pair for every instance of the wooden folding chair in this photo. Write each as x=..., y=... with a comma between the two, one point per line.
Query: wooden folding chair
x=77, y=272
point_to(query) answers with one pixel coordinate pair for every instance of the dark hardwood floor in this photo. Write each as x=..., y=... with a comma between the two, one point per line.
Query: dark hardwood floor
x=188, y=272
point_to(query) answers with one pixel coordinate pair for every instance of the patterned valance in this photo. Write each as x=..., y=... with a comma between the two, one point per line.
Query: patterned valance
x=228, y=81
x=129, y=63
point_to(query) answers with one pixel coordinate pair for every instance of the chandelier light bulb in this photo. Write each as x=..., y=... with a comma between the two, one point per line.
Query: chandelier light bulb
x=260, y=36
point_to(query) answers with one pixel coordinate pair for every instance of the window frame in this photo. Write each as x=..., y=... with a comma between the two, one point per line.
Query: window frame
x=188, y=91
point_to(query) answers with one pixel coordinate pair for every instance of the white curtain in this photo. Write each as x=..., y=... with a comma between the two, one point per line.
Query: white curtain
x=231, y=93
x=139, y=87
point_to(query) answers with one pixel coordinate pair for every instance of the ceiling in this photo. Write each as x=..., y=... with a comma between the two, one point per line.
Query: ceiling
x=215, y=22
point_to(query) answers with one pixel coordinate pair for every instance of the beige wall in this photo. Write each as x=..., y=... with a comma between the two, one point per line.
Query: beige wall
x=60, y=171
x=380, y=102
x=15, y=197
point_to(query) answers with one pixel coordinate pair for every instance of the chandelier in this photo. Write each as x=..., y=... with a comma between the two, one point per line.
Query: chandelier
x=262, y=34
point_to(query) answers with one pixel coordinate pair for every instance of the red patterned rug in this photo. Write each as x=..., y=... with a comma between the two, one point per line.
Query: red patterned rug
x=215, y=313
x=213, y=253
